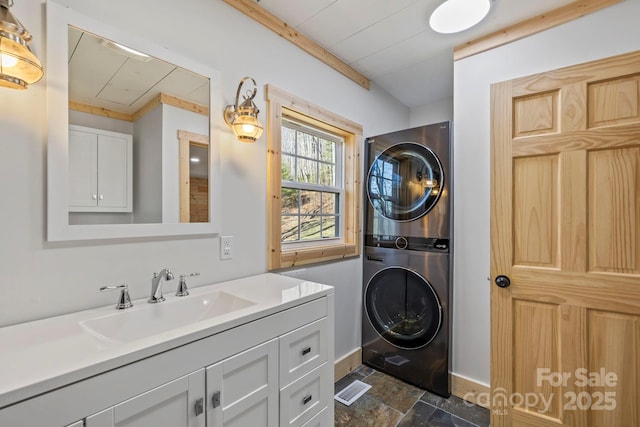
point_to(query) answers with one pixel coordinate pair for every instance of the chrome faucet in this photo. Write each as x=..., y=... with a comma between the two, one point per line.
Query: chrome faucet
x=156, y=284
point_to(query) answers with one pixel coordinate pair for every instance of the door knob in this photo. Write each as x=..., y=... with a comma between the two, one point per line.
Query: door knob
x=503, y=281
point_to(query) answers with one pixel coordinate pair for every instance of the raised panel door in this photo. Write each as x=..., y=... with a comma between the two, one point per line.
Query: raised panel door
x=179, y=403
x=243, y=389
x=83, y=169
x=113, y=171
x=565, y=228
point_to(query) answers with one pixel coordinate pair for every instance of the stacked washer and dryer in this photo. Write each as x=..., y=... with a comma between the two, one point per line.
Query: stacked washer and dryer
x=406, y=278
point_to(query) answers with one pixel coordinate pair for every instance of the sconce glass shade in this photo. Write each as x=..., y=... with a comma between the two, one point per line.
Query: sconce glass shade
x=19, y=67
x=243, y=119
x=247, y=128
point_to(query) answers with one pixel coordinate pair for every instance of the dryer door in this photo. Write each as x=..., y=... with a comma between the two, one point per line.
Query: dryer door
x=405, y=181
x=403, y=307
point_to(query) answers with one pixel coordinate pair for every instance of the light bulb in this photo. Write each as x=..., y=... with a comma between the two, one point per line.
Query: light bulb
x=248, y=128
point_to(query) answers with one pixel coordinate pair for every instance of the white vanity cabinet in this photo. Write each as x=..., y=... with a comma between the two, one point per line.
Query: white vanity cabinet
x=243, y=390
x=100, y=170
x=179, y=403
x=275, y=370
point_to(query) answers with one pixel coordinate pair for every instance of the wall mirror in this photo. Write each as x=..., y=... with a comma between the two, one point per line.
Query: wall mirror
x=132, y=144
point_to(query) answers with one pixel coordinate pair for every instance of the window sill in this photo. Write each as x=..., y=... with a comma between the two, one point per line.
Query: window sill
x=315, y=254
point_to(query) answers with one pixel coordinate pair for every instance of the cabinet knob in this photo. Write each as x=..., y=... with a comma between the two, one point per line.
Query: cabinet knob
x=306, y=350
x=94, y=196
x=307, y=399
x=102, y=197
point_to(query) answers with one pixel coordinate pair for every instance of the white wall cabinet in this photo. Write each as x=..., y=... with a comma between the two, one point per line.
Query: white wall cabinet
x=100, y=170
x=274, y=371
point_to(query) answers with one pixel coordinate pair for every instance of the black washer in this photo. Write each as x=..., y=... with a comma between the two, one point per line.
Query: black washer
x=403, y=307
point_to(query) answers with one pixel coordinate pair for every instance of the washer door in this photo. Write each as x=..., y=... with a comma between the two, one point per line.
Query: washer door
x=405, y=181
x=403, y=307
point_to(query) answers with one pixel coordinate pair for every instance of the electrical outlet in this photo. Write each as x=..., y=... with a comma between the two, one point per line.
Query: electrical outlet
x=226, y=247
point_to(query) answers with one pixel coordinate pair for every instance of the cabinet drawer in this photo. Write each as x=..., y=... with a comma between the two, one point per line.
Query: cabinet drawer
x=321, y=419
x=304, y=398
x=303, y=350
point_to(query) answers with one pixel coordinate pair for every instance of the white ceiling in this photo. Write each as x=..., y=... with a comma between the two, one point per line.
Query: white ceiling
x=390, y=42
x=104, y=77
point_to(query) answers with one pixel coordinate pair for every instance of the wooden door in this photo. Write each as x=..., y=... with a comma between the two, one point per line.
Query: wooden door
x=565, y=229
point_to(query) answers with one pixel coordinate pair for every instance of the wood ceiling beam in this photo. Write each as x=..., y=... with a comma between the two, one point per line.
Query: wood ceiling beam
x=531, y=26
x=284, y=30
x=161, y=98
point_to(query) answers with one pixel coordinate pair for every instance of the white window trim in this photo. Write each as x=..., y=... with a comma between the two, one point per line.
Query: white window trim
x=282, y=105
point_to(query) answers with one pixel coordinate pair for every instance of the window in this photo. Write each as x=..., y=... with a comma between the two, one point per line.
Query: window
x=313, y=192
x=312, y=188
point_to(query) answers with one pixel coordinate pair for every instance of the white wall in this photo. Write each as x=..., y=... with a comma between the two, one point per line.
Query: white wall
x=437, y=111
x=147, y=167
x=612, y=31
x=43, y=279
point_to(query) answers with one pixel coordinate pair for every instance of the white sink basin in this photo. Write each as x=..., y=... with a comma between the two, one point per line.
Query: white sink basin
x=145, y=320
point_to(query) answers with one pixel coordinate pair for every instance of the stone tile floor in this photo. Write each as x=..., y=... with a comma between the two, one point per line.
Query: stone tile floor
x=393, y=403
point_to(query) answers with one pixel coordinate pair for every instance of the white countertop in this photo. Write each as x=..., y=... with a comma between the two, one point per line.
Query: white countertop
x=40, y=356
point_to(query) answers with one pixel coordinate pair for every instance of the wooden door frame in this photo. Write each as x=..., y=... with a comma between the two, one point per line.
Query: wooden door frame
x=185, y=139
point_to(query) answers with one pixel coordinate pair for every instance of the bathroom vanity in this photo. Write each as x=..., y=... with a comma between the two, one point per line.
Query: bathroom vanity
x=256, y=351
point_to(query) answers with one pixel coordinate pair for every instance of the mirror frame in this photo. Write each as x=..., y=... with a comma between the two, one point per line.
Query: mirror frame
x=58, y=19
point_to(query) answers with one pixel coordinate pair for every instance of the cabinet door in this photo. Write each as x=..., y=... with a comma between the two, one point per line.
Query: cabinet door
x=113, y=171
x=243, y=389
x=179, y=403
x=83, y=169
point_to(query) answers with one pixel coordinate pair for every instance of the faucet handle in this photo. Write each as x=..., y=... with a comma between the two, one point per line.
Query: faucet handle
x=182, y=290
x=124, y=300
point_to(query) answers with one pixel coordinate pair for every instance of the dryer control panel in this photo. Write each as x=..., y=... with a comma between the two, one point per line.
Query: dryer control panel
x=426, y=244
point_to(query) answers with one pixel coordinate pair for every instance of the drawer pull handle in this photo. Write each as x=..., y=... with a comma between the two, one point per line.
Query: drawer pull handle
x=306, y=350
x=306, y=399
x=199, y=406
x=215, y=399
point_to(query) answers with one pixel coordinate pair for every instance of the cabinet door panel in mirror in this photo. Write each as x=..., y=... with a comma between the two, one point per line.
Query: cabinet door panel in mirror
x=117, y=89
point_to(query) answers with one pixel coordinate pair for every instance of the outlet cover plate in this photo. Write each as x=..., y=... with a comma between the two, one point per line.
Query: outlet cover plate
x=226, y=247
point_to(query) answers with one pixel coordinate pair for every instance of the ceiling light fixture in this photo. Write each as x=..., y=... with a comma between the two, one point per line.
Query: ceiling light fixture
x=454, y=16
x=126, y=51
x=243, y=118
x=19, y=67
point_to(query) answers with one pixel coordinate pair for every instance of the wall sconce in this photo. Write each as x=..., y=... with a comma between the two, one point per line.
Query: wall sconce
x=243, y=118
x=19, y=67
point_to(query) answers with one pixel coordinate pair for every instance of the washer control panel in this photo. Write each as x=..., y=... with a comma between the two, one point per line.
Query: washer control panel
x=426, y=244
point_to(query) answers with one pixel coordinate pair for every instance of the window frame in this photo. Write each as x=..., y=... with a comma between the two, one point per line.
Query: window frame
x=282, y=105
